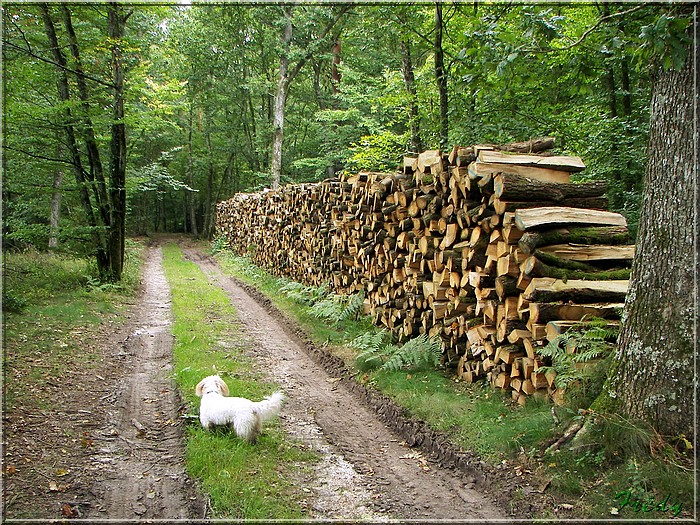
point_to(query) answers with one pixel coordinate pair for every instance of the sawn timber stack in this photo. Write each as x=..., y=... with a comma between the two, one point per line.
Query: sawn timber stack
x=492, y=251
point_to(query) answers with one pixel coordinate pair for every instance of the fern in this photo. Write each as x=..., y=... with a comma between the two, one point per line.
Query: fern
x=338, y=308
x=419, y=353
x=302, y=294
x=581, y=344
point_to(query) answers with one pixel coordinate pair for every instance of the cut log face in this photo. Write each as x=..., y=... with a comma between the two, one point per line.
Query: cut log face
x=492, y=252
x=552, y=216
x=571, y=164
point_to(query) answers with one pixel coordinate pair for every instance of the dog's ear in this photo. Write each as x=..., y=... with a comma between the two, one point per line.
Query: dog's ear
x=222, y=386
x=200, y=386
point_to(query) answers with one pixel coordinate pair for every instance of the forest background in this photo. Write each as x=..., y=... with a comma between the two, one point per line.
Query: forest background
x=199, y=91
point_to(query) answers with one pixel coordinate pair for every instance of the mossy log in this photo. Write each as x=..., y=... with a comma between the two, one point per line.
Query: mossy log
x=547, y=289
x=534, y=267
x=614, y=235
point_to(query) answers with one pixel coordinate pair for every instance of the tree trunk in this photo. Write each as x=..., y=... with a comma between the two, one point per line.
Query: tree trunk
x=652, y=374
x=55, y=216
x=410, y=83
x=281, y=101
x=208, y=194
x=117, y=232
x=190, y=174
x=101, y=253
x=96, y=172
x=441, y=77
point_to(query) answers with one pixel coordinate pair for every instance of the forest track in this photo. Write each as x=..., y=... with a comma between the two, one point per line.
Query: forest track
x=130, y=466
x=370, y=471
x=139, y=465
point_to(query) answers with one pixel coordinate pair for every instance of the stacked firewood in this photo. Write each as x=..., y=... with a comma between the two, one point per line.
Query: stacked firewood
x=491, y=248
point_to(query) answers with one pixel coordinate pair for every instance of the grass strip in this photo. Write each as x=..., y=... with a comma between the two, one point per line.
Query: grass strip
x=244, y=481
x=54, y=310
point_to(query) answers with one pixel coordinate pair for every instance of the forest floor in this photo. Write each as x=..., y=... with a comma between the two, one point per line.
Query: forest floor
x=107, y=440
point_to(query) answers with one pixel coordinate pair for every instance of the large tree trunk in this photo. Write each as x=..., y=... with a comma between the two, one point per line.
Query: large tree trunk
x=652, y=374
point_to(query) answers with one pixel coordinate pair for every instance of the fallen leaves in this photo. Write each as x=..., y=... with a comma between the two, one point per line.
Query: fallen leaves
x=422, y=462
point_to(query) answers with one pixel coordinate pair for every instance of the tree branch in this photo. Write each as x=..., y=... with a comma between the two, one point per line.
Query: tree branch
x=49, y=61
x=300, y=64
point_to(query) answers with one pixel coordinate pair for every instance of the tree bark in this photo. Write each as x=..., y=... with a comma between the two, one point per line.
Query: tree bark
x=652, y=376
x=409, y=81
x=190, y=174
x=55, y=216
x=96, y=172
x=63, y=87
x=116, y=22
x=281, y=100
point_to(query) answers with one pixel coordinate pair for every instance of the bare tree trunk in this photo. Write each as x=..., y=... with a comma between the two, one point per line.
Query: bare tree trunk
x=190, y=174
x=652, y=377
x=55, y=216
x=281, y=101
x=116, y=22
x=101, y=253
x=208, y=195
x=96, y=172
x=409, y=81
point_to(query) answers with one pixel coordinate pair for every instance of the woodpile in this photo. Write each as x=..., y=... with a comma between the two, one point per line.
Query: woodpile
x=493, y=249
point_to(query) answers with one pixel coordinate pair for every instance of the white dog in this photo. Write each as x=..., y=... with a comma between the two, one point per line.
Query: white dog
x=244, y=416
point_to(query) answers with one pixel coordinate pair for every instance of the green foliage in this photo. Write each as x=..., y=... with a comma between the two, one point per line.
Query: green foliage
x=381, y=152
x=590, y=341
x=420, y=353
x=218, y=245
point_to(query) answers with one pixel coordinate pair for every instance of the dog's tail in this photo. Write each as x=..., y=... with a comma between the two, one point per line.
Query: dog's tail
x=270, y=407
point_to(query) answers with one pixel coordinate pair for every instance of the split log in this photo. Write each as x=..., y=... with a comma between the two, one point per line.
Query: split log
x=479, y=169
x=583, y=252
x=551, y=216
x=546, y=289
x=569, y=163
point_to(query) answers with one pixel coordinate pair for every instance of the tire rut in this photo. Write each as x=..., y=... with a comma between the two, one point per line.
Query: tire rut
x=139, y=465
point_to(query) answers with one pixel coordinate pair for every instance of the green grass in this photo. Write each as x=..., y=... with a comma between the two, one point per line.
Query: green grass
x=482, y=419
x=244, y=481
x=52, y=306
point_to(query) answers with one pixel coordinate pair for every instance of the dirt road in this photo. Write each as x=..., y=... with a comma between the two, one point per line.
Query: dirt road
x=141, y=466
x=367, y=471
x=111, y=446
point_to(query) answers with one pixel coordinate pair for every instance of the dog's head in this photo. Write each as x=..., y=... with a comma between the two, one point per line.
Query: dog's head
x=211, y=384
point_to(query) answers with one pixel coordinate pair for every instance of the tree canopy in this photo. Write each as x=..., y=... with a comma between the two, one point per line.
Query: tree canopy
x=364, y=85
